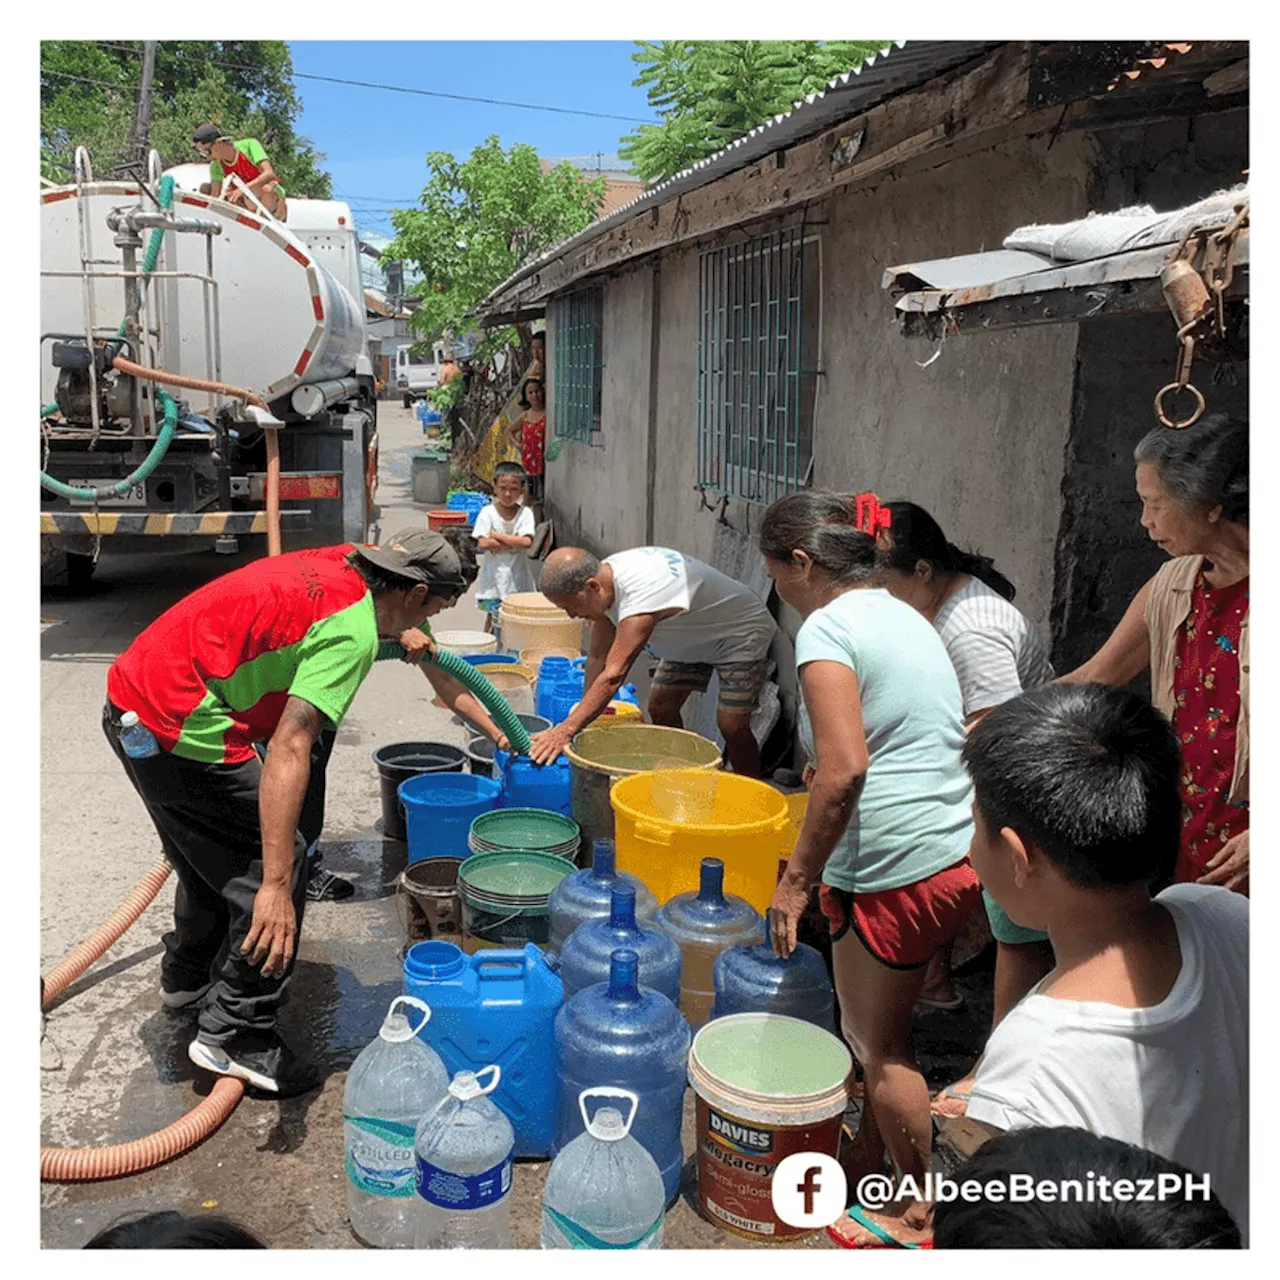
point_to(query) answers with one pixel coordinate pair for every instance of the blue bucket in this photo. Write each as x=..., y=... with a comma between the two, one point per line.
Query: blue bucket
x=439, y=810
x=485, y=659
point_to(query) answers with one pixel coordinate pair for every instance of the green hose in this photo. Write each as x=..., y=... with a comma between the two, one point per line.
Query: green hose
x=474, y=681
x=87, y=493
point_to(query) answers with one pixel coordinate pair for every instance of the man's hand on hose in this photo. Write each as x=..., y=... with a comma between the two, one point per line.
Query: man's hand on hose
x=549, y=744
x=418, y=646
x=274, y=931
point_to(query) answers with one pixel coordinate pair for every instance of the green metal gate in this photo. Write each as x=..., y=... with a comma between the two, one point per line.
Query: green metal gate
x=755, y=397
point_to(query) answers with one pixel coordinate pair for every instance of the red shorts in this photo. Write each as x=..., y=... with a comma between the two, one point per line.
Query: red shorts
x=903, y=927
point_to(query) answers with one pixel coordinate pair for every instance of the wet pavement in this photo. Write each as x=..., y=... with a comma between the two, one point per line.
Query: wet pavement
x=276, y=1167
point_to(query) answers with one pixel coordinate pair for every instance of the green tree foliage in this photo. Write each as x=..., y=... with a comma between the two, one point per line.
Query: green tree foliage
x=481, y=220
x=709, y=92
x=88, y=90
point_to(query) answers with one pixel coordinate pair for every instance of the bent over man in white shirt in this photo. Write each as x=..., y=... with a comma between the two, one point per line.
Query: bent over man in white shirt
x=693, y=618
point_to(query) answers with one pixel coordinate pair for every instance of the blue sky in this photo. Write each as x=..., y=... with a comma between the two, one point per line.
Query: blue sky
x=375, y=142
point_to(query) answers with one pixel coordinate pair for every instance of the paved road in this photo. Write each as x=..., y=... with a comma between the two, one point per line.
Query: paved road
x=276, y=1167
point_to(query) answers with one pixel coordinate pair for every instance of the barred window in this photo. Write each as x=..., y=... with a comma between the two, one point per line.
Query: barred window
x=758, y=321
x=578, y=363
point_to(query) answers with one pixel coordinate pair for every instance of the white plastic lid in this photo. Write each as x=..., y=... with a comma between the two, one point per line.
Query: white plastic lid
x=466, y=1086
x=129, y=719
x=395, y=1027
x=607, y=1125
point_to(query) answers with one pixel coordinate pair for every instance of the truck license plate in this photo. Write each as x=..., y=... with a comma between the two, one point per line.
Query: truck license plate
x=134, y=496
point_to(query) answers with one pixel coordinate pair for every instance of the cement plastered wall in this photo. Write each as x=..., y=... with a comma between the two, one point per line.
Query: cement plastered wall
x=977, y=437
x=1103, y=553
x=596, y=492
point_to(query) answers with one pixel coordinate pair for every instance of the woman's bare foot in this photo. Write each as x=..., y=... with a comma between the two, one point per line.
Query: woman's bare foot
x=953, y=1101
x=904, y=1224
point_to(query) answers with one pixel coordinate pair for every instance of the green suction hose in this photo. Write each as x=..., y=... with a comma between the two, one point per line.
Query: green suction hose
x=87, y=493
x=474, y=681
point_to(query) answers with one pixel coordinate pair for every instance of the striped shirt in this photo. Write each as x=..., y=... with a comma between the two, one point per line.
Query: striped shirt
x=996, y=652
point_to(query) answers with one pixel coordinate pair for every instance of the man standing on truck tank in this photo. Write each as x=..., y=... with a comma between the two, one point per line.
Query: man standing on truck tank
x=273, y=652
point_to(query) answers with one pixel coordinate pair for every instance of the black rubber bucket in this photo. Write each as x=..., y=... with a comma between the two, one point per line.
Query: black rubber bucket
x=399, y=761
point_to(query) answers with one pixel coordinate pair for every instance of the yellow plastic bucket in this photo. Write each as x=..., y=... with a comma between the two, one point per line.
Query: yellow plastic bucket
x=667, y=821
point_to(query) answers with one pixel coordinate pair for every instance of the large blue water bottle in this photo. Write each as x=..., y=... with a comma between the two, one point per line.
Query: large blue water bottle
x=619, y=1033
x=498, y=1006
x=753, y=980
x=586, y=956
x=588, y=894
x=554, y=676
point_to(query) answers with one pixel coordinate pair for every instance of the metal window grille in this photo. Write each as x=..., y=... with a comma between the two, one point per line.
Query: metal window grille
x=578, y=364
x=755, y=397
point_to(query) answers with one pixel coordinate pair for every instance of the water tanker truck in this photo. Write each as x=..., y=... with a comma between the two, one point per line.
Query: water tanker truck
x=204, y=371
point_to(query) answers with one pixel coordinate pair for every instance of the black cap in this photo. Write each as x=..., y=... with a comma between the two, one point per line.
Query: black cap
x=421, y=555
x=207, y=133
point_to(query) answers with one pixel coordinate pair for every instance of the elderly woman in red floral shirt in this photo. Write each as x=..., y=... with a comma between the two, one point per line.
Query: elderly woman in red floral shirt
x=1190, y=625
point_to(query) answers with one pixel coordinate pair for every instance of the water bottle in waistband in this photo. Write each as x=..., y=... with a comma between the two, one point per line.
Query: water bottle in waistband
x=137, y=740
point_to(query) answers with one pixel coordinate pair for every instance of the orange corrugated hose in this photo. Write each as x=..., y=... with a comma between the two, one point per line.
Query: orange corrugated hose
x=89, y=1164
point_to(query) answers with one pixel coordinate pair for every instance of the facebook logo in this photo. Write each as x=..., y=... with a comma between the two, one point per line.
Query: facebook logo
x=809, y=1190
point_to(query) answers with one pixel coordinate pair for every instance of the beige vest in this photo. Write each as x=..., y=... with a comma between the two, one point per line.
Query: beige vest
x=1168, y=605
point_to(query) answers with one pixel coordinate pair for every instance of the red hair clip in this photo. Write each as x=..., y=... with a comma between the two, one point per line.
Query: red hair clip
x=870, y=517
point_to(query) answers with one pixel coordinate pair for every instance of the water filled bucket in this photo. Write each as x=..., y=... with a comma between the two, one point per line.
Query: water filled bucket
x=399, y=761
x=666, y=822
x=529, y=830
x=428, y=894
x=766, y=1087
x=506, y=898
x=514, y=683
x=439, y=810
x=603, y=753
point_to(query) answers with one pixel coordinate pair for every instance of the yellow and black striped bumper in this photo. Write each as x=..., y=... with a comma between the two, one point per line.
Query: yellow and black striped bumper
x=166, y=523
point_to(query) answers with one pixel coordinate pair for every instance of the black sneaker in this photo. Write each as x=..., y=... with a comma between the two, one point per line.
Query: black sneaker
x=324, y=886
x=263, y=1061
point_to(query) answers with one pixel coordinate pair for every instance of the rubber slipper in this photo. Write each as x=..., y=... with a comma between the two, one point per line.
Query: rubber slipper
x=885, y=1240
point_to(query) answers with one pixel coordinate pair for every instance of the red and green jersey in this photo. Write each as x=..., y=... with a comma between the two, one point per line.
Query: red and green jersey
x=210, y=676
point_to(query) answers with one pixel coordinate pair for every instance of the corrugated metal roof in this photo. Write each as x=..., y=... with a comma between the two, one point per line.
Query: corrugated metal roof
x=903, y=66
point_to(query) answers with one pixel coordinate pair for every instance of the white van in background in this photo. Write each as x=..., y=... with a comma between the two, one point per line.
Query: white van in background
x=414, y=378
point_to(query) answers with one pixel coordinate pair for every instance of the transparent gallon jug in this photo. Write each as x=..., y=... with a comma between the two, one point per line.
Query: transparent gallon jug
x=754, y=980
x=586, y=956
x=604, y=1190
x=587, y=894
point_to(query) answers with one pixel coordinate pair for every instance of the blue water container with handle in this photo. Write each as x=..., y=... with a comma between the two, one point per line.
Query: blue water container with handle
x=630, y=1036
x=526, y=785
x=498, y=1006
x=753, y=980
x=586, y=956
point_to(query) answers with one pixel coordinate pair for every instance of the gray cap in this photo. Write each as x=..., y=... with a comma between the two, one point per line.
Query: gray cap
x=421, y=555
x=207, y=133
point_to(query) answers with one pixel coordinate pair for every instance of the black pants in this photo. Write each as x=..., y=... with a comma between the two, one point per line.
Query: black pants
x=206, y=816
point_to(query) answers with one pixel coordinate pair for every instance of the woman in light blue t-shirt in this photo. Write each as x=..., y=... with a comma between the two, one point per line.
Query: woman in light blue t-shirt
x=889, y=819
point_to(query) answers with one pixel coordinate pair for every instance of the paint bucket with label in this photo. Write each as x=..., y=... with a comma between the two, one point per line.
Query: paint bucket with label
x=766, y=1087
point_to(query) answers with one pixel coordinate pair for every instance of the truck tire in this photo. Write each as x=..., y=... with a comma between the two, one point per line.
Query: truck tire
x=408, y=401
x=79, y=572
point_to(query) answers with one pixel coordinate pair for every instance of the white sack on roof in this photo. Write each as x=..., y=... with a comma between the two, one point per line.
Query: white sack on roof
x=1138, y=227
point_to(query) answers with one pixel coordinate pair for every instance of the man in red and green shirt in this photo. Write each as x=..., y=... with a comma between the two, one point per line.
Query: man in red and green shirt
x=273, y=653
x=246, y=158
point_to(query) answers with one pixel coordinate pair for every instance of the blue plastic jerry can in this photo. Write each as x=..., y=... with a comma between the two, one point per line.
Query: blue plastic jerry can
x=495, y=1007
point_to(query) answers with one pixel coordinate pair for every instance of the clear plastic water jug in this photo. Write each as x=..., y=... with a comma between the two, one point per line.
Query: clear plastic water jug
x=396, y=1080
x=623, y=1034
x=464, y=1168
x=754, y=980
x=587, y=894
x=702, y=925
x=604, y=1190
x=585, y=959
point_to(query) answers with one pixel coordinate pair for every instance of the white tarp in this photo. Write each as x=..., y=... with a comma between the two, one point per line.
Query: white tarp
x=1138, y=227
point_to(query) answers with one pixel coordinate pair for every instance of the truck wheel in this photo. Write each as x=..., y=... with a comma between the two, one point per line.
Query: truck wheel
x=408, y=401
x=79, y=571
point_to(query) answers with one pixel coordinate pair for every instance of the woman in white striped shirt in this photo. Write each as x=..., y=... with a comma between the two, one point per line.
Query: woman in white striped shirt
x=997, y=654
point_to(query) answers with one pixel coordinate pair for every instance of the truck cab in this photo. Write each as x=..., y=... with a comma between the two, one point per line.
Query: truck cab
x=415, y=377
